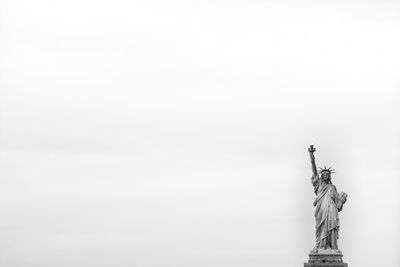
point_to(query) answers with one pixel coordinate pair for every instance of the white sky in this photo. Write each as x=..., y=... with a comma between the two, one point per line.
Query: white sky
x=175, y=133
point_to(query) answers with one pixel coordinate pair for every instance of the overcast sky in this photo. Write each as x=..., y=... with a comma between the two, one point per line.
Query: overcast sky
x=175, y=133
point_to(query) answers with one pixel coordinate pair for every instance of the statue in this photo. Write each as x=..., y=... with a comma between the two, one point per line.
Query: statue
x=328, y=203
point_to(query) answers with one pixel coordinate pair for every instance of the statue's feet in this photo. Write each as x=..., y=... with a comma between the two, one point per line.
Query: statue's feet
x=325, y=251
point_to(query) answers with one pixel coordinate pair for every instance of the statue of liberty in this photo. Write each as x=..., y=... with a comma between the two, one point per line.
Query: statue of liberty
x=328, y=203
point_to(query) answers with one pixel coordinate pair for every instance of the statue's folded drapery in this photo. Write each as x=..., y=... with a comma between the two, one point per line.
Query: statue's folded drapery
x=327, y=205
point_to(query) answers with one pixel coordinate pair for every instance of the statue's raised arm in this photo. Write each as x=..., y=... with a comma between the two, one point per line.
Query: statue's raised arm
x=311, y=150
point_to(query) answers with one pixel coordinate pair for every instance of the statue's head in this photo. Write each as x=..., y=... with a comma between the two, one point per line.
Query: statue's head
x=326, y=177
x=326, y=174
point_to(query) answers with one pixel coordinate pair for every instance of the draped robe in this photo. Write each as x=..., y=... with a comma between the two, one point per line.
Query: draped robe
x=327, y=206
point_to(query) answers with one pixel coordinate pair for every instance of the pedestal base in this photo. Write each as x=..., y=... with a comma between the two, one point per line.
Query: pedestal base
x=325, y=258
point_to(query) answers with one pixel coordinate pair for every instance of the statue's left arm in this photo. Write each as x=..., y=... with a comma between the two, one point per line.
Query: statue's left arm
x=340, y=200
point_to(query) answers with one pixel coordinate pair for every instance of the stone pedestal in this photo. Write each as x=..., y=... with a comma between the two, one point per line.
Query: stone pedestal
x=325, y=258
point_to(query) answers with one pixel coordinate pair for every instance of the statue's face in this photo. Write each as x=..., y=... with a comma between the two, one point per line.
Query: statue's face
x=325, y=176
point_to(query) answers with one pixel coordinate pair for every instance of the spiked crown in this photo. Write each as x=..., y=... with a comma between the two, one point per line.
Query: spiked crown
x=325, y=169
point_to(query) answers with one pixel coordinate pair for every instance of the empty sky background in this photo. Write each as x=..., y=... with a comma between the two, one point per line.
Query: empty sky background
x=175, y=133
